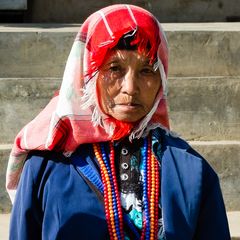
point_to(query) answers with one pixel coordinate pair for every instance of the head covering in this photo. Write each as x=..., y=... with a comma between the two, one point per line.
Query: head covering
x=73, y=116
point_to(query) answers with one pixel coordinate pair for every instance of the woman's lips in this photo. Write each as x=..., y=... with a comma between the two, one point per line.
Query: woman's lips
x=127, y=106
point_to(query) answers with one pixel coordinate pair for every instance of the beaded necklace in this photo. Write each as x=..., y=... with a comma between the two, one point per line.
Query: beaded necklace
x=112, y=203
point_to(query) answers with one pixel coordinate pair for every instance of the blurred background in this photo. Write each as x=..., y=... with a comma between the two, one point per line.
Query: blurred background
x=204, y=76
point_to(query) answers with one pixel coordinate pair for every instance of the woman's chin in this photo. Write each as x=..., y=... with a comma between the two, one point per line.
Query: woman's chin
x=127, y=116
x=127, y=113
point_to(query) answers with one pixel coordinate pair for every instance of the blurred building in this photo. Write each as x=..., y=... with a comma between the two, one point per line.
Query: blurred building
x=75, y=11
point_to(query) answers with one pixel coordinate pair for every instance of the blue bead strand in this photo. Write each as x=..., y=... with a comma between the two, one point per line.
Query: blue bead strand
x=145, y=189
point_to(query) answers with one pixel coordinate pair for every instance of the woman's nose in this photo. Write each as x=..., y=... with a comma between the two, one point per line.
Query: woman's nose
x=130, y=83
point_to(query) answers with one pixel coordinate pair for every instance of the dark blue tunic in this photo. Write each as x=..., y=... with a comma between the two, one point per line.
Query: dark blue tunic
x=54, y=202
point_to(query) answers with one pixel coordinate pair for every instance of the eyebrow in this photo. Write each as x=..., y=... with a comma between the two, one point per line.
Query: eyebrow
x=117, y=59
x=111, y=62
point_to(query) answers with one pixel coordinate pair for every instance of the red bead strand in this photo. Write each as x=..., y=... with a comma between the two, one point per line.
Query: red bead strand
x=107, y=190
x=157, y=195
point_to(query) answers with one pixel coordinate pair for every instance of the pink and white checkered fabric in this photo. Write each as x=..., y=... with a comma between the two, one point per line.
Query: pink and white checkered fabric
x=63, y=124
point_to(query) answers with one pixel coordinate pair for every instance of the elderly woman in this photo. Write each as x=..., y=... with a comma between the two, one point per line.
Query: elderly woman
x=99, y=160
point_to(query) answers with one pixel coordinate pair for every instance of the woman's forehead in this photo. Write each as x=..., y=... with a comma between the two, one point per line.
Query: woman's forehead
x=126, y=55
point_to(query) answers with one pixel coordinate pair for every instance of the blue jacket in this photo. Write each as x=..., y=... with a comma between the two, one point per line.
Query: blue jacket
x=54, y=202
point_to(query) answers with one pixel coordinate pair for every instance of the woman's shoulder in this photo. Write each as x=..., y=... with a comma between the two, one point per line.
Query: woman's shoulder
x=37, y=158
x=169, y=139
x=178, y=152
x=42, y=163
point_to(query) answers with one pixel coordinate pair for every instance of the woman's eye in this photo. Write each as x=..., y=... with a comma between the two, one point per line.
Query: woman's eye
x=147, y=70
x=115, y=68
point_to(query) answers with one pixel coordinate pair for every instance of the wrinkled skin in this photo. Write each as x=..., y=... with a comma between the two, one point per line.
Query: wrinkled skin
x=127, y=85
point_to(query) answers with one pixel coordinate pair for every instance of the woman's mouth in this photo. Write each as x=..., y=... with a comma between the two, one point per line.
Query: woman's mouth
x=127, y=106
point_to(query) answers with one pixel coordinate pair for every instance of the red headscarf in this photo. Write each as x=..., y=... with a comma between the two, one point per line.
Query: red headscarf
x=63, y=125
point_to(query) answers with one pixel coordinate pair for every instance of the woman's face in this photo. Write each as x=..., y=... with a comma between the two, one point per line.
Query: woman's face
x=127, y=85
